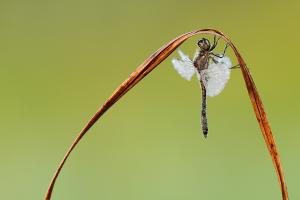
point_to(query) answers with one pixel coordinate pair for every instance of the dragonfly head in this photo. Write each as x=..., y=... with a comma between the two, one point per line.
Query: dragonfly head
x=204, y=44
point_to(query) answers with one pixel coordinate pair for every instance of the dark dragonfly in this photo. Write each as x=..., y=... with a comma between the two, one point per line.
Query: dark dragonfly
x=212, y=70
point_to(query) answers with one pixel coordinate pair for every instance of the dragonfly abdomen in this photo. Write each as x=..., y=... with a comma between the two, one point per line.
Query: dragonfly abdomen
x=203, y=112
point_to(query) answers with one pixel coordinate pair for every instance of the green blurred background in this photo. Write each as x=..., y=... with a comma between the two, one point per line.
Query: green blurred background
x=60, y=60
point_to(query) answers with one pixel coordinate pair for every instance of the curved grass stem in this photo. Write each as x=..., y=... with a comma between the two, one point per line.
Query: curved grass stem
x=152, y=62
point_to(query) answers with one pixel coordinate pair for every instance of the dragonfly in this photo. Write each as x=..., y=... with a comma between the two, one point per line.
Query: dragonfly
x=212, y=70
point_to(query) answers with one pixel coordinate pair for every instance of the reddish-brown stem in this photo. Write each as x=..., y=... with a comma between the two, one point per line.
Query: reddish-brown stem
x=153, y=61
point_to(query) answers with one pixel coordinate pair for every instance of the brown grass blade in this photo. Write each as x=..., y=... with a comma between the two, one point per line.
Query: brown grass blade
x=153, y=61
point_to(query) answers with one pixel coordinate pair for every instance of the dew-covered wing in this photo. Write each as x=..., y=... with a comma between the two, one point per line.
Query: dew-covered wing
x=216, y=76
x=184, y=67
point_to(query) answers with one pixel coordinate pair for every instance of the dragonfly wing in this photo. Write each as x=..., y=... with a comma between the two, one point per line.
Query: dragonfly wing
x=197, y=52
x=184, y=67
x=217, y=75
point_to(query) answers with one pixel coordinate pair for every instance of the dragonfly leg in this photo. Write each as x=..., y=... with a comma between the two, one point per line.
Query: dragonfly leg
x=215, y=43
x=214, y=60
x=235, y=66
x=220, y=55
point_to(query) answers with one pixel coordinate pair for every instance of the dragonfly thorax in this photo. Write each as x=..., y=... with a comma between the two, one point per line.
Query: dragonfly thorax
x=201, y=60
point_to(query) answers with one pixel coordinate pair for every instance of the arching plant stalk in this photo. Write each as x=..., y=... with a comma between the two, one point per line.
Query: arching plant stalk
x=152, y=62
